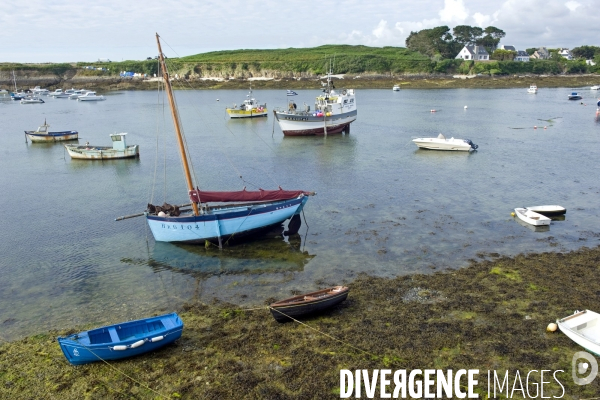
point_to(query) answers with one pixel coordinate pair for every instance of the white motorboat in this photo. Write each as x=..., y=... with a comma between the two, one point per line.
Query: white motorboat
x=334, y=112
x=248, y=109
x=119, y=149
x=532, y=89
x=396, y=88
x=583, y=327
x=39, y=91
x=595, y=87
x=90, y=96
x=31, y=100
x=548, y=211
x=531, y=217
x=57, y=92
x=441, y=143
x=574, y=96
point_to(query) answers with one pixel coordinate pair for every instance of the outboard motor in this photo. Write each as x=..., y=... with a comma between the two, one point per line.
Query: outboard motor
x=473, y=145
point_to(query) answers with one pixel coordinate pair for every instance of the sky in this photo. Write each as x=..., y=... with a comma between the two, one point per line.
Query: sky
x=37, y=31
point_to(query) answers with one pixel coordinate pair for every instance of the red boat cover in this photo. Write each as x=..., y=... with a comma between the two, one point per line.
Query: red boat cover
x=199, y=196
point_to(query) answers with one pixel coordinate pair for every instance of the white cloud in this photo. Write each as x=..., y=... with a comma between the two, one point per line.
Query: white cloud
x=572, y=5
x=454, y=12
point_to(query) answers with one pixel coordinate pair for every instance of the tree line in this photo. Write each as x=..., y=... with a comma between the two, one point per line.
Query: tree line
x=439, y=43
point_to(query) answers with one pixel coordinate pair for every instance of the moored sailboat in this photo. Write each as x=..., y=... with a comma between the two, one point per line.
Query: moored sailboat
x=212, y=217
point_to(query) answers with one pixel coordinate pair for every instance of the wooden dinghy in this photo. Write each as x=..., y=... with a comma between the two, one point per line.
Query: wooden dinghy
x=121, y=340
x=583, y=327
x=531, y=217
x=309, y=303
x=548, y=211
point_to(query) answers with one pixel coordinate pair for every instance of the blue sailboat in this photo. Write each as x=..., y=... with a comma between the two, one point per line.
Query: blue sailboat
x=121, y=340
x=212, y=217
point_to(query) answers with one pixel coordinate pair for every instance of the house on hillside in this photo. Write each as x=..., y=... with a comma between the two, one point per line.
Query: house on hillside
x=522, y=56
x=541, y=54
x=565, y=53
x=476, y=53
x=509, y=48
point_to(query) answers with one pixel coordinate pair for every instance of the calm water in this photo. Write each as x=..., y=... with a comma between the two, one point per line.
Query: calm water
x=383, y=207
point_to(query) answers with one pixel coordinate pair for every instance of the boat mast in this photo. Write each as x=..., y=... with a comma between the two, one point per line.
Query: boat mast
x=177, y=123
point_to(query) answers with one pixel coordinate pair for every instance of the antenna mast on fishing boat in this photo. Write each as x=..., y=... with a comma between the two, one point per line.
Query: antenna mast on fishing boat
x=177, y=123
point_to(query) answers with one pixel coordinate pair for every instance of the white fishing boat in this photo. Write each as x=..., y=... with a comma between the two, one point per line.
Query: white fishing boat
x=532, y=89
x=42, y=134
x=218, y=216
x=583, y=327
x=31, y=100
x=548, y=211
x=249, y=108
x=441, y=143
x=595, y=87
x=396, y=88
x=90, y=96
x=119, y=149
x=531, y=217
x=334, y=112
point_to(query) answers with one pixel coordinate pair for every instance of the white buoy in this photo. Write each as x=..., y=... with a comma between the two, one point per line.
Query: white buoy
x=162, y=214
x=432, y=110
x=535, y=127
x=465, y=107
x=551, y=327
x=545, y=127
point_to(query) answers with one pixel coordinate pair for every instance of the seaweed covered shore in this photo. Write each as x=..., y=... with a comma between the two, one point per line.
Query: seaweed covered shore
x=490, y=316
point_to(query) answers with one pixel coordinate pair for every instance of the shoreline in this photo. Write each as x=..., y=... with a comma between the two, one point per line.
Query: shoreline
x=490, y=315
x=106, y=83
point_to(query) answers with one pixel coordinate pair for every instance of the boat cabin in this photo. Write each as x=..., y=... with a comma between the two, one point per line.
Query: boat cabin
x=119, y=141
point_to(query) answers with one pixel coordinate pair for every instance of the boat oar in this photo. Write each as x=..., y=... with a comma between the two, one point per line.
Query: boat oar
x=142, y=214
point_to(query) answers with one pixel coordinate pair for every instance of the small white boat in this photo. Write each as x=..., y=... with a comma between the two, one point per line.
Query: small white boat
x=548, y=211
x=531, y=217
x=441, y=143
x=532, y=89
x=31, y=100
x=595, y=87
x=39, y=91
x=583, y=327
x=396, y=88
x=42, y=134
x=574, y=96
x=119, y=149
x=90, y=96
x=57, y=92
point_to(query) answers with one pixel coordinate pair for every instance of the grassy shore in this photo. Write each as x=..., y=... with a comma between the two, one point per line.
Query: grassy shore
x=491, y=316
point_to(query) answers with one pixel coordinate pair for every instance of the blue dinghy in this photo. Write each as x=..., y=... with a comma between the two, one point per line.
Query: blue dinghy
x=121, y=340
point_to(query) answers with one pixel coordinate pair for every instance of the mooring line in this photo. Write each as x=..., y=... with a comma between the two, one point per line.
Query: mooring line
x=325, y=334
x=107, y=363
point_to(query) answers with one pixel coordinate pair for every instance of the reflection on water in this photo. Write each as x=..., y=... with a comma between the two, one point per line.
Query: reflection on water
x=265, y=255
x=534, y=228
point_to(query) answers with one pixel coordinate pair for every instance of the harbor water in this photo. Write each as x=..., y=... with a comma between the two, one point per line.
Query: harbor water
x=383, y=207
